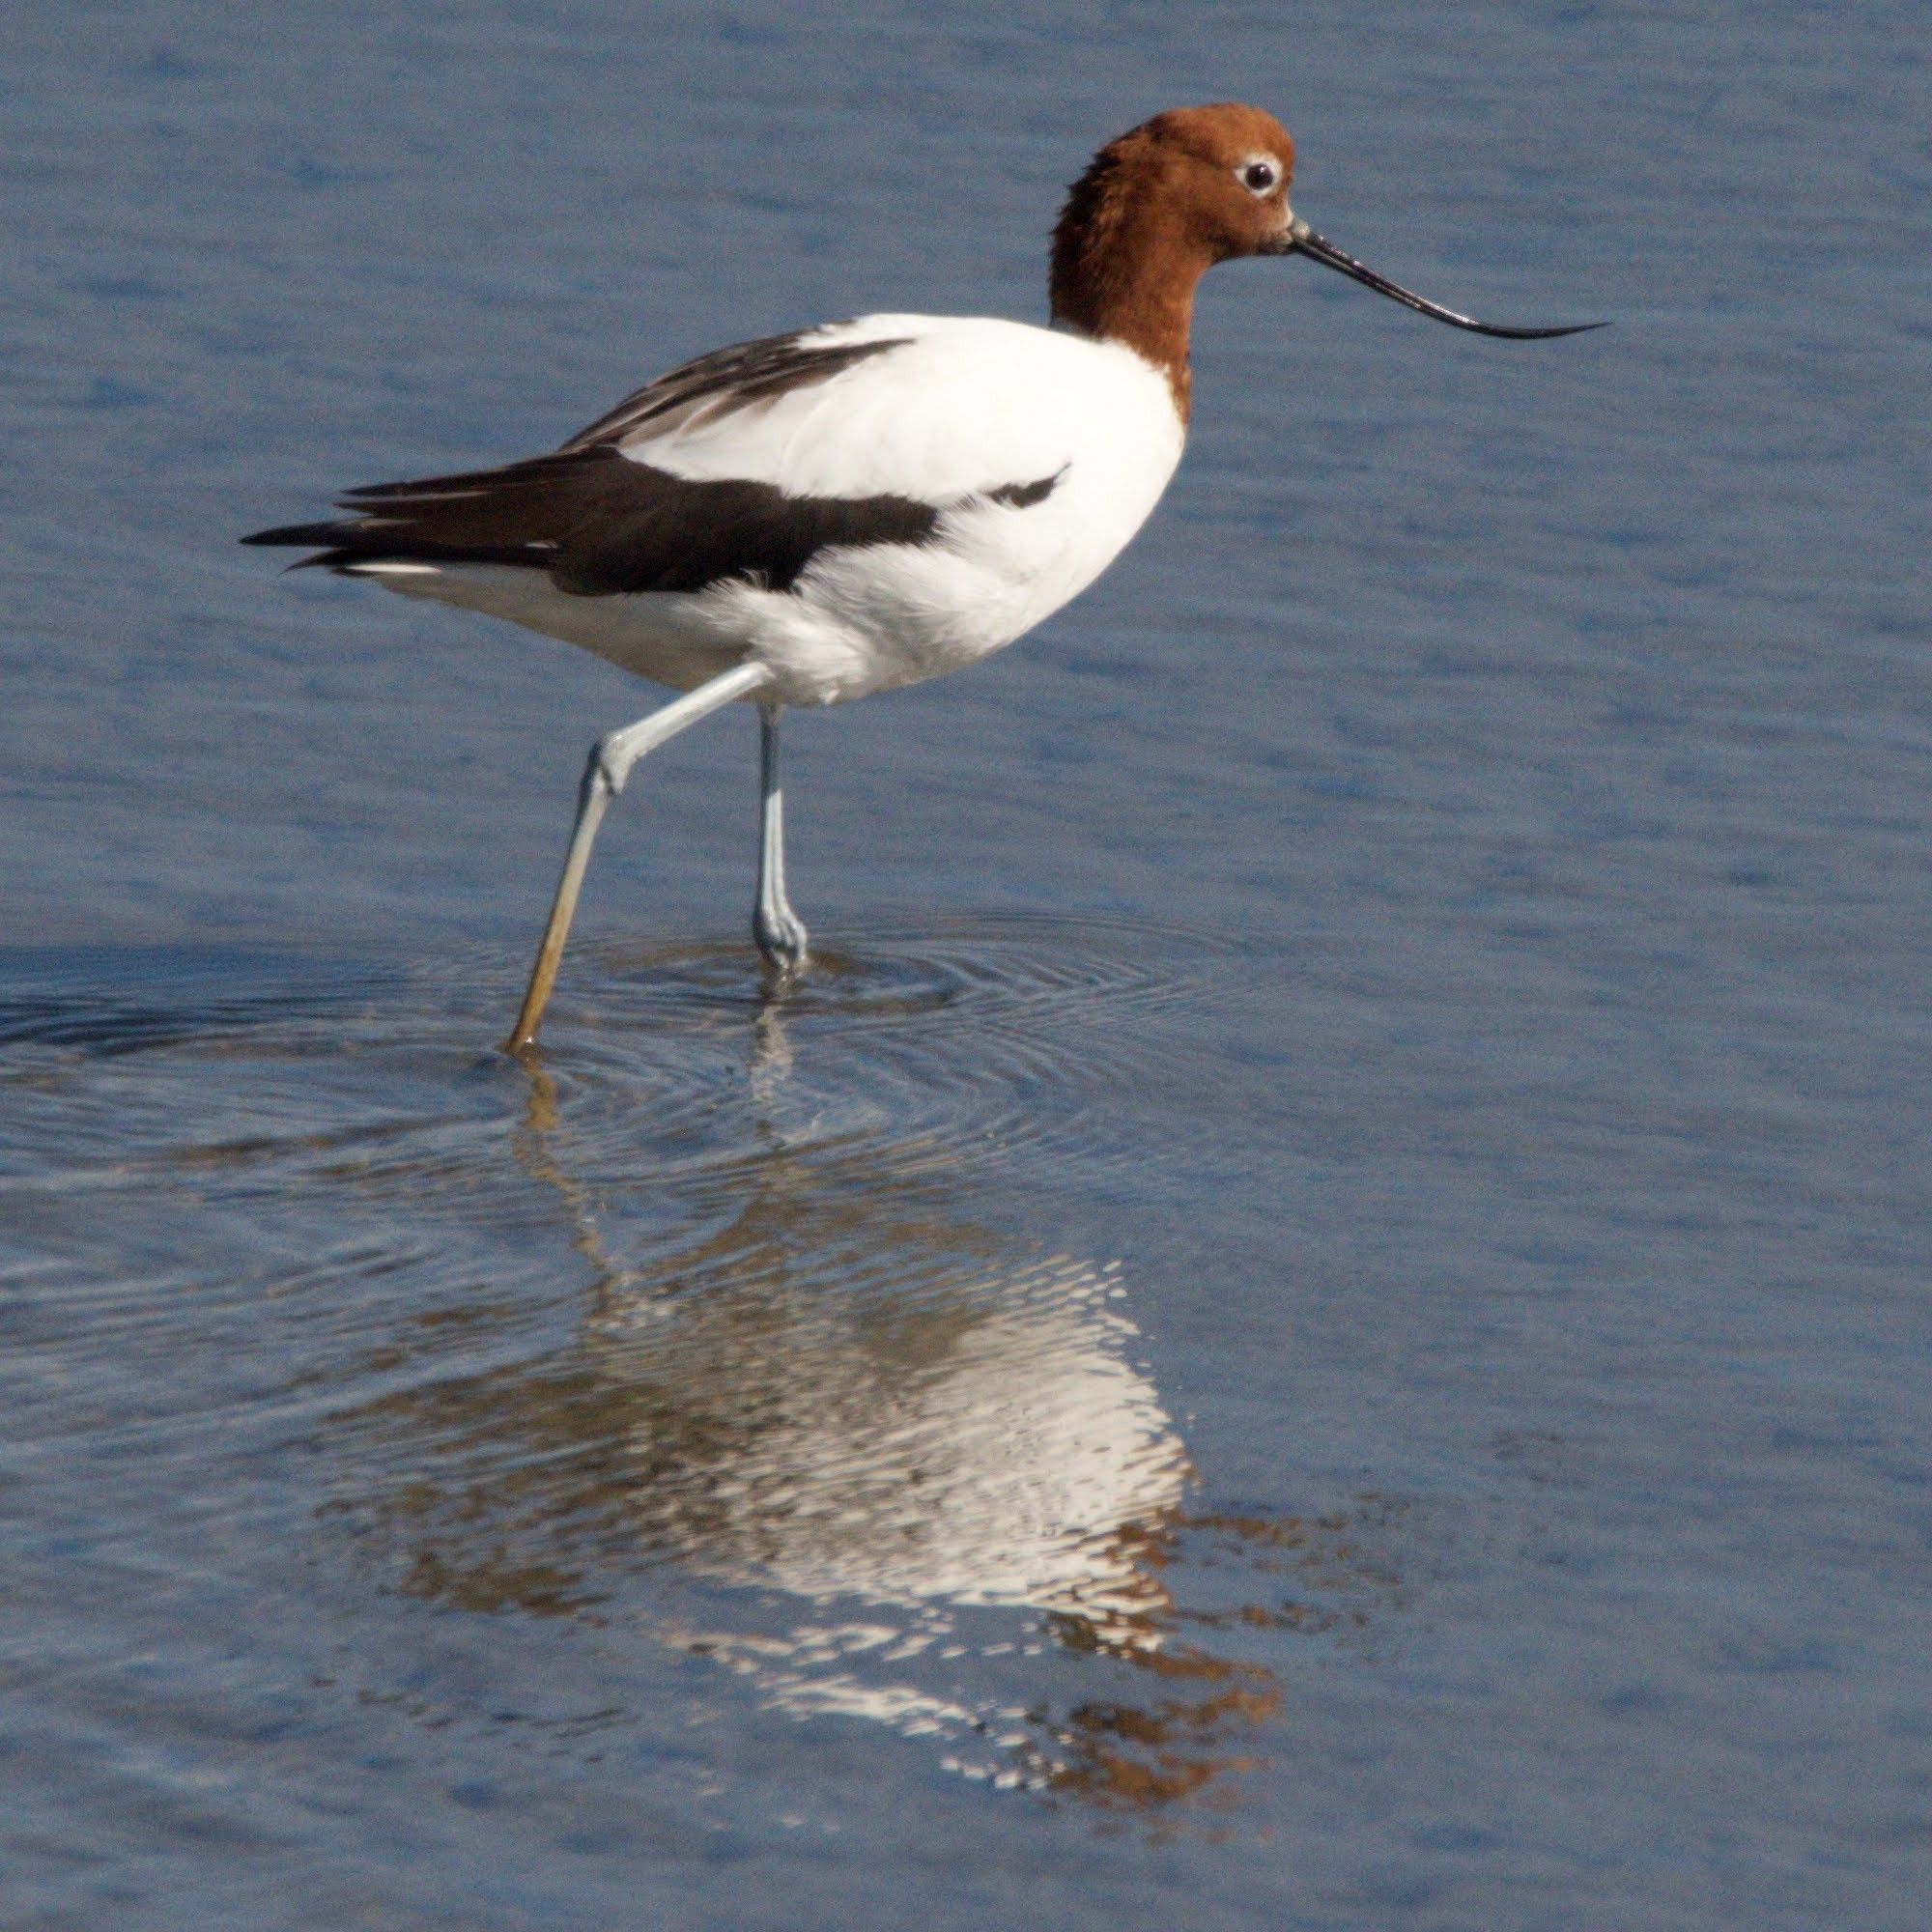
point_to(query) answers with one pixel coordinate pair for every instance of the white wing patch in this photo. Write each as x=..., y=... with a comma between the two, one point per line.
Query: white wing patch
x=954, y=408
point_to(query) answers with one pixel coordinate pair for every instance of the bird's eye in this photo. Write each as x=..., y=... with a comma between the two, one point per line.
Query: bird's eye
x=1259, y=176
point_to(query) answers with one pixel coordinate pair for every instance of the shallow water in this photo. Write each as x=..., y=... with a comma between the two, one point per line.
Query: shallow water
x=1317, y=1316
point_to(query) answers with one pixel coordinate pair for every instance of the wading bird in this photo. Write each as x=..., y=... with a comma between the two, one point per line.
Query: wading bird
x=811, y=517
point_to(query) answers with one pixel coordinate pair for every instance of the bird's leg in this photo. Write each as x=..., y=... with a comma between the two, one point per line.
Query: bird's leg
x=610, y=760
x=777, y=929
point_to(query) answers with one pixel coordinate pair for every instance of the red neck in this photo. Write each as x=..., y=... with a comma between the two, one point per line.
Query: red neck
x=1124, y=270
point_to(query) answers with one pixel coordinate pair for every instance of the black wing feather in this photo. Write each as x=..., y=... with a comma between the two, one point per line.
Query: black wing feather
x=602, y=525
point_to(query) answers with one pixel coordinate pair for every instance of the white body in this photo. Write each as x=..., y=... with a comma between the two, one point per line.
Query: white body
x=966, y=406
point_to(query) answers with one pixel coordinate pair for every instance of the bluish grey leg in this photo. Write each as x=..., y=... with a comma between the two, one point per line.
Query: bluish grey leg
x=777, y=929
x=610, y=760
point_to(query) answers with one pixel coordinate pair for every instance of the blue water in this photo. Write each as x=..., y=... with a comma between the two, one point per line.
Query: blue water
x=1319, y=1316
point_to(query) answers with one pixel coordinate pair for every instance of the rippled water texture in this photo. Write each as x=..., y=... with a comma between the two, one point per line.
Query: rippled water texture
x=1317, y=1314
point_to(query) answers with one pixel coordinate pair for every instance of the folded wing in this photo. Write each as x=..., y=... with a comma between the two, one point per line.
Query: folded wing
x=701, y=477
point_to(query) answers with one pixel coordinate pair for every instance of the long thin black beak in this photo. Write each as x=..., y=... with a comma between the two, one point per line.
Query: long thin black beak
x=1302, y=239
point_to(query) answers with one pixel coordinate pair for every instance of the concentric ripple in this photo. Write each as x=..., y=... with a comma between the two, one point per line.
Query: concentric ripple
x=691, y=1320
x=960, y=1043
x=204, y=1136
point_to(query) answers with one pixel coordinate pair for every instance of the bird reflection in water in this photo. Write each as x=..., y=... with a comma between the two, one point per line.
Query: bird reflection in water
x=839, y=1388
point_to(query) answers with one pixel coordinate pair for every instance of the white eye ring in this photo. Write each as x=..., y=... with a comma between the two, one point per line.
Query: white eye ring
x=1258, y=173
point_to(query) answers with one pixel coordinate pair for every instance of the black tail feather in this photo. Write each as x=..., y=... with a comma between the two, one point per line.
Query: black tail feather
x=333, y=544
x=309, y=535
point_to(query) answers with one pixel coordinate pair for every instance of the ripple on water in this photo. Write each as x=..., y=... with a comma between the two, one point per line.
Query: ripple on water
x=963, y=1044
x=686, y=1327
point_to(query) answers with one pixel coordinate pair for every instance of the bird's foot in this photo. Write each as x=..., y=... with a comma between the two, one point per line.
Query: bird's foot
x=781, y=938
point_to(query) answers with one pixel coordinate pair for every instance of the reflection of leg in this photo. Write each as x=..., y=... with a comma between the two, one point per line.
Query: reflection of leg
x=777, y=929
x=770, y=1064
x=610, y=760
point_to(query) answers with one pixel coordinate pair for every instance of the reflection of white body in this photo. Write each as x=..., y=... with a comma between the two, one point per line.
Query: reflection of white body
x=992, y=1447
